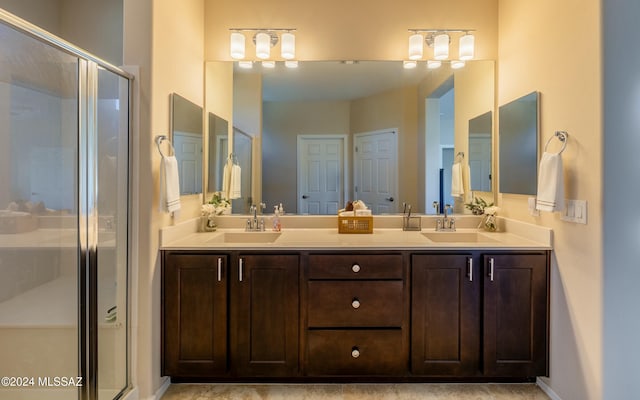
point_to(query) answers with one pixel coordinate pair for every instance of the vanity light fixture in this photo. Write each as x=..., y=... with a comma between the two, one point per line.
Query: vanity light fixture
x=439, y=40
x=264, y=39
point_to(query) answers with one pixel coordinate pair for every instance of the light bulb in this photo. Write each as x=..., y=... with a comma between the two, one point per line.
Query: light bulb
x=415, y=46
x=466, y=48
x=441, y=47
x=237, y=45
x=263, y=45
x=288, y=46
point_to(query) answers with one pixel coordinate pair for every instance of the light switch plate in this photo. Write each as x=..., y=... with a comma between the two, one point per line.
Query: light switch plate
x=575, y=211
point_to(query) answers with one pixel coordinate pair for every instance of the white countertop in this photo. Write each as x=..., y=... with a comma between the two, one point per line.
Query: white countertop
x=514, y=236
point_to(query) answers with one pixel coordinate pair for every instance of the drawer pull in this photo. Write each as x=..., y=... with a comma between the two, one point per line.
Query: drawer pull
x=355, y=303
x=355, y=352
x=355, y=268
x=491, y=269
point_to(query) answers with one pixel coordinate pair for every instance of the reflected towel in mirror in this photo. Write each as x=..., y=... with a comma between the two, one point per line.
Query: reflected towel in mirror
x=169, y=184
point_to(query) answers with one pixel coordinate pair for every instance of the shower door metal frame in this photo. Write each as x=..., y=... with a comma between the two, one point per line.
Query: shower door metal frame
x=88, y=65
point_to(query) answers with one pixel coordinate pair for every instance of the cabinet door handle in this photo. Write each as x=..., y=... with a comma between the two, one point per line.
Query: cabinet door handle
x=355, y=352
x=470, y=263
x=219, y=269
x=491, y=269
x=355, y=303
x=240, y=267
x=355, y=268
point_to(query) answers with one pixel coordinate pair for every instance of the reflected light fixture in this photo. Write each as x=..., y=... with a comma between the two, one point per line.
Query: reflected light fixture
x=441, y=46
x=291, y=64
x=288, y=46
x=237, y=45
x=457, y=64
x=466, y=47
x=245, y=64
x=409, y=64
x=434, y=64
x=415, y=46
x=268, y=64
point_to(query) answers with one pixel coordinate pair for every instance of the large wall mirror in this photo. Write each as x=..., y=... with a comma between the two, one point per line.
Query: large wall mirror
x=518, y=121
x=355, y=107
x=186, y=136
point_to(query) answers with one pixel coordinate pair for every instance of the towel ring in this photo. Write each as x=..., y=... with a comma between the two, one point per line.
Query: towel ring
x=159, y=139
x=562, y=136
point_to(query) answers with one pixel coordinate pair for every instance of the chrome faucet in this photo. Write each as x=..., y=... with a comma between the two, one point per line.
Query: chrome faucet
x=446, y=223
x=252, y=223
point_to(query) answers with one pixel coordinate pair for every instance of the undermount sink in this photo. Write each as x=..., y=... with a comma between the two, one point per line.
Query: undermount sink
x=246, y=237
x=458, y=237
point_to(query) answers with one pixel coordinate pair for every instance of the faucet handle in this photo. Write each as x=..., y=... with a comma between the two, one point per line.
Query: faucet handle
x=436, y=205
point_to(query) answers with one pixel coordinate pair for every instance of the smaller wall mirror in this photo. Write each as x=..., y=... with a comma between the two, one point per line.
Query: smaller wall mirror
x=218, y=151
x=480, y=152
x=186, y=136
x=518, y=125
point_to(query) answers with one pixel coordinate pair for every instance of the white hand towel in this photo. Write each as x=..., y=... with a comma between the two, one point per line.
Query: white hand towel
x=169, y=184
x=466, y=183
x=550, y=183
x=457, y=187
x=235, y=190
x=226, y=180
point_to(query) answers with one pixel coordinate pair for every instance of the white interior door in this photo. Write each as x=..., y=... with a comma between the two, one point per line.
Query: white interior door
x=480, y=162
x=376, y=170
x=188, y=149
x=321, y=174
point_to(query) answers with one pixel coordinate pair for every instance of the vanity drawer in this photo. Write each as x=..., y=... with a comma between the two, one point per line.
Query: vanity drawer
x=355, y=304
x=355, y=266
x=355, y=352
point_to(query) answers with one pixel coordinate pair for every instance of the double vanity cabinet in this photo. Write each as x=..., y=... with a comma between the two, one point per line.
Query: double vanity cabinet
x=355, y=314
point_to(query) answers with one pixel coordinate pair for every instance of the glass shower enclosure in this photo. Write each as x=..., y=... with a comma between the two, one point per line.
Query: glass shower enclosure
x=64, y=219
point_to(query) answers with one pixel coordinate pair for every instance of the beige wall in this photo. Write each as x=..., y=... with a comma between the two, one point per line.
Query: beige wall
x=283, y=122
x=397, y=108
x=357, y=29
x=561, y=61
x=167, y=43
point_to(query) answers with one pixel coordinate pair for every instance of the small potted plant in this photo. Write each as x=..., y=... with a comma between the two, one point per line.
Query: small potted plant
x=477, y=206
x=218, y=205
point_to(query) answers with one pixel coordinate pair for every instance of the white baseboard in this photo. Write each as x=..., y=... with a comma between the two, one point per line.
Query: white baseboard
x=132, y=394
x=545, y=388
x=163, y=388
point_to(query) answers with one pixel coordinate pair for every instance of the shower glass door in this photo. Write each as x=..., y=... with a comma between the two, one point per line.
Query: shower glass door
x=64, y=223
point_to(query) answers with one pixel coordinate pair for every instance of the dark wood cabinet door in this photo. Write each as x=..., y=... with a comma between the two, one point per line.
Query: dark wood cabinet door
x=515, y=315
x=445, y=315
x=194, y=315
x=265, y=315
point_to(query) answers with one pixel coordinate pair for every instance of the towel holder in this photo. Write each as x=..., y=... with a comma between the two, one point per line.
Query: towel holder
x=562, y=136
x=460, y=156
x=161, y=138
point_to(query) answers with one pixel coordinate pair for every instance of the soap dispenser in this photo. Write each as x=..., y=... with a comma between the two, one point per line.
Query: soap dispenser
x=276, y=219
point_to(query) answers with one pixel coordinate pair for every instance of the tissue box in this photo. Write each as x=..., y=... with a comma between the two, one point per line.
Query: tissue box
x=354, y=224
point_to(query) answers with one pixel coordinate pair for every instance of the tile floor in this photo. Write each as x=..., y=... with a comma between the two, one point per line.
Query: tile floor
x=405, y=391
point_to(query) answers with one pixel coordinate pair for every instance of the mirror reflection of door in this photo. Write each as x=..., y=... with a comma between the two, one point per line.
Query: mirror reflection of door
x=188, y=147
x=445, y=187
x=376, y=170
x=321, y=166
